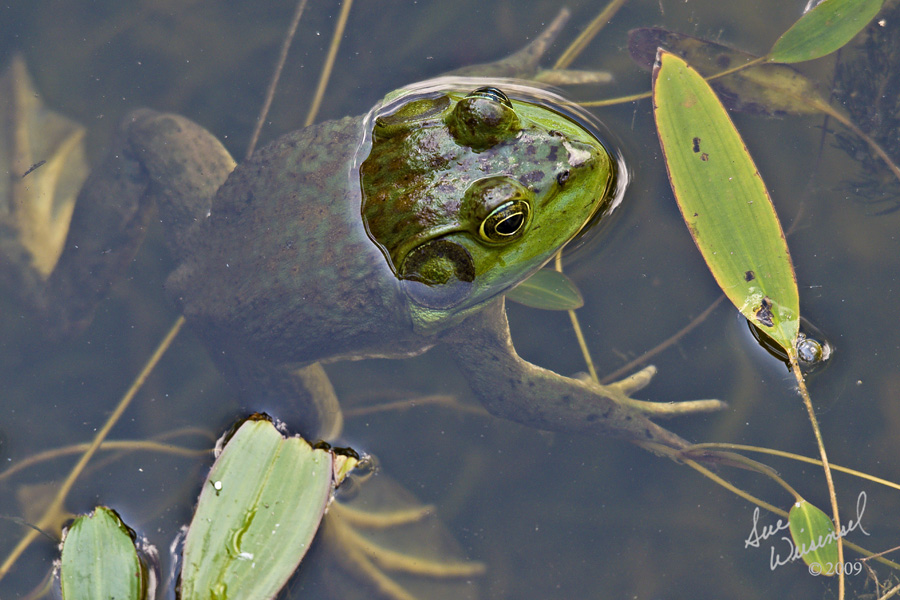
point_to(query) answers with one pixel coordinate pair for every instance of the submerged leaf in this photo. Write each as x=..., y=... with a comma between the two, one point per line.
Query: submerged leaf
x=547, y=289
x=99, y=559
x=42, y=154
x=814, y=537
x=724, y=201
x=765, y=89
x=824, y=29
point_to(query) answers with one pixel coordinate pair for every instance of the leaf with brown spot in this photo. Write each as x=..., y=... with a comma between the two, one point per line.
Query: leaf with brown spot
x=724, y=201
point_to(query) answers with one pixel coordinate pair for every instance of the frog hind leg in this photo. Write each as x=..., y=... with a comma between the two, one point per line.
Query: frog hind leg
x=514, y=389
x=157, y=160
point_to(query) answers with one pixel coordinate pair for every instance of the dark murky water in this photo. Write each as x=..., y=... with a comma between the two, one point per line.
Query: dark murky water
x=554, y=517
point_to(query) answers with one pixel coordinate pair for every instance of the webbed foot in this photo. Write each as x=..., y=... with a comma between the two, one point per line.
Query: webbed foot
x=384, y=543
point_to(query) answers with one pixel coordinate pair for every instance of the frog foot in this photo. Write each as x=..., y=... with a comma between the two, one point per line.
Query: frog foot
x=622, y=390
x=386, y=543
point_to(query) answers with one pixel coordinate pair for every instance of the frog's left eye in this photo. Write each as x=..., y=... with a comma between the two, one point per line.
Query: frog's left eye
x=483, y=119
x=491, y=93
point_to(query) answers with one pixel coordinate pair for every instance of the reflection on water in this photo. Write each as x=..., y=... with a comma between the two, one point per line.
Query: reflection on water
x=552, y=516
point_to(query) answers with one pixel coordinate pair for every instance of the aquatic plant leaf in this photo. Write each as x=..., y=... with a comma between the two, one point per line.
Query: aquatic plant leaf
x=765, y=89
x=547, y=289
x=259, y=509
x=824, y=29
x=724, y=201
x=814, y=537
x=42, y=154
x=99, y=559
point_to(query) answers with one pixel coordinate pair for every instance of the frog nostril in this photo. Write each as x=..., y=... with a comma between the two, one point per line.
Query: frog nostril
x=562, y=177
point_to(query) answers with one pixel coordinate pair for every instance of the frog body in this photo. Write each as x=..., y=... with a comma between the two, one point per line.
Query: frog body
x=306, y=253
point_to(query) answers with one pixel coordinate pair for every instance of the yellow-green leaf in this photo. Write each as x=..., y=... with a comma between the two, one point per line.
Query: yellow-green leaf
x=814, y=537
x=824, y=29
x=548, y=290
x=724, y=201
x=259, y=509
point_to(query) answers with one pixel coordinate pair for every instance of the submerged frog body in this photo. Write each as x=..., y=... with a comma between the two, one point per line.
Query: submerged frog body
x=373, y=236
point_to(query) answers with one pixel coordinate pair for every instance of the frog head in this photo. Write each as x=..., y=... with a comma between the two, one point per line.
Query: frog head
x=468, y=190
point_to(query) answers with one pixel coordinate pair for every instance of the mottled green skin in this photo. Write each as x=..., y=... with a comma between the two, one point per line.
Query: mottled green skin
x=419, y=177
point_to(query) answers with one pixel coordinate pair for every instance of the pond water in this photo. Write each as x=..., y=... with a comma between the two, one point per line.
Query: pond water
x=552, y=515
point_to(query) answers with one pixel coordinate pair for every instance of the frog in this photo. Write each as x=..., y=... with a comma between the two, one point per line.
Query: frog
x=373, y=236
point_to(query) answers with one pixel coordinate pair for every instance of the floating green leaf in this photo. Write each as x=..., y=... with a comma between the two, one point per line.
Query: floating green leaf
x=547, y=289
x=99, y=559
x=814, y=537
x=258, y=512
x=824, y=29
x=724, y=201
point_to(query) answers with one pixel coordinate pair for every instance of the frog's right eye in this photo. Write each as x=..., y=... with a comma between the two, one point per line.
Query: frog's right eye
x=410, y=113
x=483, y=119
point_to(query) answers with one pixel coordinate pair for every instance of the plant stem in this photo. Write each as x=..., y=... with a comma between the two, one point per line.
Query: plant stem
x=581, y=42
x=329, y=63
x=807, y=402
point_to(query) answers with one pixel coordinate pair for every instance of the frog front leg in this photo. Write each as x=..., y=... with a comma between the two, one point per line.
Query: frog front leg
x=514, y=389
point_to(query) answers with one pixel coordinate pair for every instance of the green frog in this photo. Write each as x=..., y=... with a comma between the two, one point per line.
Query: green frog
x=380, y=235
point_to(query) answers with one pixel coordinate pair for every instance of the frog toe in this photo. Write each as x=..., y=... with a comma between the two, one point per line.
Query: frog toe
x=635, y=381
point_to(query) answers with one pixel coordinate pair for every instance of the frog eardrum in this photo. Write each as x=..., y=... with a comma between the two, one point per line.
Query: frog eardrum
x=438, y=274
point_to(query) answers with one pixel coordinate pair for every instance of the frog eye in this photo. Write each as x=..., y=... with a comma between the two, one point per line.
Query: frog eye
x=491, y=93
x=498, y=207
x=415, y=111
x=483, y=119
x=438, y=274
x=506, y=222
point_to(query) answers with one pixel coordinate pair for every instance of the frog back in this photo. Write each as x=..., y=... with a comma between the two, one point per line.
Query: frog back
x=283, y=267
